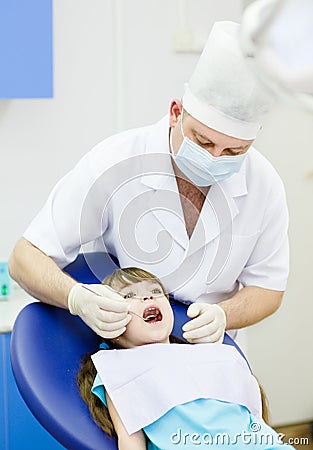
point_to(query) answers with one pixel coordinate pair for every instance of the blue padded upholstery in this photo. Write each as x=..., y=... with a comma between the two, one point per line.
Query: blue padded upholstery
x=47, y=345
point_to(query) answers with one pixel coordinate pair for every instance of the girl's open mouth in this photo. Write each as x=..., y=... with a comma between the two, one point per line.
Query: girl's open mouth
x=152, y=314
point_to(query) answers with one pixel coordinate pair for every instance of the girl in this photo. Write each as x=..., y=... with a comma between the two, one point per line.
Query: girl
x=209, y=401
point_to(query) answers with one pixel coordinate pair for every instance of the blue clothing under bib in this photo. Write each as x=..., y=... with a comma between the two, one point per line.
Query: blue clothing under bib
x=209, y=423
x=205, y=423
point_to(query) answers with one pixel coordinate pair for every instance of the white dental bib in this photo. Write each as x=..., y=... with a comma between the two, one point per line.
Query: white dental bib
x=147, y=381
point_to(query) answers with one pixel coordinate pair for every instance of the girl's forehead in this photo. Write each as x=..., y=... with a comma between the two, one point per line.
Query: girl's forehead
x=143, y=284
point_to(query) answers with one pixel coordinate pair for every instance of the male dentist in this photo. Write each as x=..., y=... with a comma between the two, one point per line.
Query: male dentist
x=188, y=199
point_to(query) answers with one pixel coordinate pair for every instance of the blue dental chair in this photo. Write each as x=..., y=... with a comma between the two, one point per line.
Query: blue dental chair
x=47, y=345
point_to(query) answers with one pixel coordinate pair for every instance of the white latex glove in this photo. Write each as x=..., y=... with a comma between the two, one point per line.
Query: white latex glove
x=107, y=315
x=208, y=325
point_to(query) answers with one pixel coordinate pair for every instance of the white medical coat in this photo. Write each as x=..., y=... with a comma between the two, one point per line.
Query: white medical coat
x=123, y=197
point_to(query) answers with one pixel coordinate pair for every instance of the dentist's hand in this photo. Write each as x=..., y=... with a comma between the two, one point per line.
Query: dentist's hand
x=106, y=314
x=208, y=324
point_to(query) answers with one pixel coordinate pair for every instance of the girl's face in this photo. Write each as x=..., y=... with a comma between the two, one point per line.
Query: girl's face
x=147, y=299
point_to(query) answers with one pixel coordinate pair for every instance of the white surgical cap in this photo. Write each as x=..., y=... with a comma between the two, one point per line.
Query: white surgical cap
x=222, y=92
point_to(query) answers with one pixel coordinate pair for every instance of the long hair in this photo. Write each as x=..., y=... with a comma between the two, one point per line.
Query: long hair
x=86, y=376
x=265, y=406
x=98, y=410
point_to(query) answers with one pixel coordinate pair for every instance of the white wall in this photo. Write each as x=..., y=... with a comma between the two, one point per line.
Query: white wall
x=40, y=140
x=280, y=348
x=115, y=68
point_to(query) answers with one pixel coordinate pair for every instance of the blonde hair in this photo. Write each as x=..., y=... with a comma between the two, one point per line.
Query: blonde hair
x=130, y=275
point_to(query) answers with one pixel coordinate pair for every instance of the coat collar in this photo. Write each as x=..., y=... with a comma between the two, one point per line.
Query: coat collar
x=218, y=211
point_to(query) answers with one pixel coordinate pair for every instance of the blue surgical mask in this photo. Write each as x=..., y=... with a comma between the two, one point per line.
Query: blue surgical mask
x=200, y=166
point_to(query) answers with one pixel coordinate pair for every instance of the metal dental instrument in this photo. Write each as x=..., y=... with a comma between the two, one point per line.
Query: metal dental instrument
x=96, y=293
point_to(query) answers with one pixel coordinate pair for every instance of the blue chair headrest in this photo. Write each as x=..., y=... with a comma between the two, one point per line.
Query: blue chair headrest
x=47, y=345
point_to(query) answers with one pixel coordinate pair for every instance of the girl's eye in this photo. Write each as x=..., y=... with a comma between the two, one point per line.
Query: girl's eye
x=129, y=295
x=156, y=291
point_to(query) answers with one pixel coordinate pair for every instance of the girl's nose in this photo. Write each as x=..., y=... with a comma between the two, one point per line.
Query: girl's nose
x=148, y=298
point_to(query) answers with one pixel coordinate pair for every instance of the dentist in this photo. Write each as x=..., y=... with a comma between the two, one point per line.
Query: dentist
x=188, y=199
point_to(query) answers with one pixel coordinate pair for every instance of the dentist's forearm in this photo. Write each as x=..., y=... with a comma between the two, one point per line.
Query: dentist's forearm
x=250, y=305
x=38, y=274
